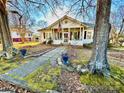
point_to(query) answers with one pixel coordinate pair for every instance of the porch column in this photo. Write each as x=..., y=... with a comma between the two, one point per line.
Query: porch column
x=80, y=34
x=42, y=37
x=62, y=34
x=69, y=33
x=53, y=34
x=83, y=34
x=92, y=34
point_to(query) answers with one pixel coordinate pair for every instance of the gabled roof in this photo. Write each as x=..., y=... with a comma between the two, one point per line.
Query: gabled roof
x=88, y=25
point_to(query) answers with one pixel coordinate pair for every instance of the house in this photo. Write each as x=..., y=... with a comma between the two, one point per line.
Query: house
x=68, y=30
x=36, y=37
x=17, y=34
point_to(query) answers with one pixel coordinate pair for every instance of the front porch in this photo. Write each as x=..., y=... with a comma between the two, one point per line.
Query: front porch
x=73, y=36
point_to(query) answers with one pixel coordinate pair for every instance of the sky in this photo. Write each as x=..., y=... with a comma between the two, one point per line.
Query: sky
x=51, y=18
x=60, y=12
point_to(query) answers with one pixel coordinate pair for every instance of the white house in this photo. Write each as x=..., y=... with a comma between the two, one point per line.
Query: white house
x=68, y=31
x=16, y=35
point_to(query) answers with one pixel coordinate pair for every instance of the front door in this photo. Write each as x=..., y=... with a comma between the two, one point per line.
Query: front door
x=65, y=37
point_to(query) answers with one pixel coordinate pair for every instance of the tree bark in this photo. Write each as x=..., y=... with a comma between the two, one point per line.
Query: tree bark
x=4, y=28
x=98, y=62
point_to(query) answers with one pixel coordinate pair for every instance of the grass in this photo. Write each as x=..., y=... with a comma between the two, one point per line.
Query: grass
x=19, y=45
x=44, y=78
x=6, y=65
x=118, y=48
x=82, y=57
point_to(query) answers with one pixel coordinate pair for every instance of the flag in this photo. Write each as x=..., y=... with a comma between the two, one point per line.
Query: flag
x=59, y=27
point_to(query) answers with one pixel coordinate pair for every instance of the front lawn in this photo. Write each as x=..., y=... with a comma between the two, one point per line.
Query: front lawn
x=47, y=76
x=44, y=78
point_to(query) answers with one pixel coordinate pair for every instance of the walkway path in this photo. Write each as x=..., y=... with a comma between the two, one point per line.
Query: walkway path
x=15, y=75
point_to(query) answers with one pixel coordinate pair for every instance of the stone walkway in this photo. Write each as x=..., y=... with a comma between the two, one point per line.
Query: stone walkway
x=15, y=76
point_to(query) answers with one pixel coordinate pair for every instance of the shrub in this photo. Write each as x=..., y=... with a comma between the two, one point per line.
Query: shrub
x=110, y=45
x=44, y=42
x=50, y=41
x=89, y=46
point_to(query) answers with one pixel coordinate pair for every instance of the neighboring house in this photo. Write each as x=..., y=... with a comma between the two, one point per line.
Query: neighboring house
x=17, y=35
x=36, y=37
x=68, y=31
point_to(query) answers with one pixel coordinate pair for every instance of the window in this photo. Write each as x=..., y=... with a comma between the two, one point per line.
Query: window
x=17, y=34
x=71, y=36
x=50, y=35
x=28, y=34
x=78, y=35
x=88, y=35
x=66, y=21
x=60, y=35
x=44, y=35
x=75, y=35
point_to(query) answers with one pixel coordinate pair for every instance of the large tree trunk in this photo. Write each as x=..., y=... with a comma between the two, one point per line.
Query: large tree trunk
x=98, y=62
x=4, y=27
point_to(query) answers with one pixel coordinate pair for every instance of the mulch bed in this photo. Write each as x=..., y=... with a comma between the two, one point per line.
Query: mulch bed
x=121, y=56
x=37, y=49
x=69, y=82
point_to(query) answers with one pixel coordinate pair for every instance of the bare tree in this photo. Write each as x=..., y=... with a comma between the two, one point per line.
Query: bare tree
x=121, y=16
x=84, y=9
x=18, y=24
x=25, y=8
x=117, y=21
